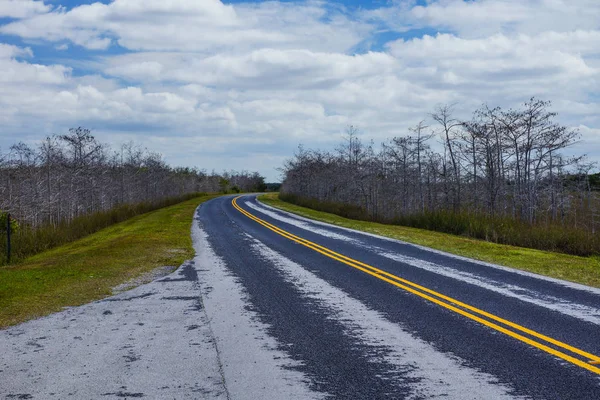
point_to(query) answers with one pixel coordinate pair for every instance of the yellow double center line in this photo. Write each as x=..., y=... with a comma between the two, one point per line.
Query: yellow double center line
x=447, y=302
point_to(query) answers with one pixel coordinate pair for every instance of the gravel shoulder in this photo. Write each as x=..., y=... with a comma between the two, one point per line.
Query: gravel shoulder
x=153, y=341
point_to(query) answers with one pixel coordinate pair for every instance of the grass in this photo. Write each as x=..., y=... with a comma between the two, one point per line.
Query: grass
x=584, y=270
x=28, y=241
x=87, y=269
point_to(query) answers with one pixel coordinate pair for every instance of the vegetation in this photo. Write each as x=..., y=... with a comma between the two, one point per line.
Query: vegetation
x=29, y=240
x=585, y=270
x=500, y=177
x=72, y=185
x=71, y=175
x=88, y=269
x=273, y=187
x=502, y=230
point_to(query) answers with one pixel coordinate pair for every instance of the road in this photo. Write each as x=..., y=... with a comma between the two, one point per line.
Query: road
x=275, y=306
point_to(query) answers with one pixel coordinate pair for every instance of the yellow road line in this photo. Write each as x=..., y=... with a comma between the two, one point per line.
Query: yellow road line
x=427, y=290
x=411, y=287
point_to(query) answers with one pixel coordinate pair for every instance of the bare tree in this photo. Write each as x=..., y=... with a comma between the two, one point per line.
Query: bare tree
x=74, y=174
x=501, y=163
x=443, y=116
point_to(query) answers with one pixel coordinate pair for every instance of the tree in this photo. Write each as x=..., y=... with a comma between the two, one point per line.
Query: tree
x=74, y=174
x=500, y=163
x=443, y=116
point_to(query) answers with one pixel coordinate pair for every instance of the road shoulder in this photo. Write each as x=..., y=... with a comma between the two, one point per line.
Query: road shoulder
x=153, y=341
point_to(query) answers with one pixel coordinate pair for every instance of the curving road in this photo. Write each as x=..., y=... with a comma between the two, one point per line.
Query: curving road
x=275, y=306
x=367, y=317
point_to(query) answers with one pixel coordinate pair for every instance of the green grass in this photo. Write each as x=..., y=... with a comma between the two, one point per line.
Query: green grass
x=88, y=269
x=585, y=270
x=29, y=240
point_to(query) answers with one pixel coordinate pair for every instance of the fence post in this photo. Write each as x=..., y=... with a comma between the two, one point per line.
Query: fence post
x=8, y=229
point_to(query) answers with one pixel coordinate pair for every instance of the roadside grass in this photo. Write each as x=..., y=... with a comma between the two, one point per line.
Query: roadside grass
x=30, y=240
x=584, y=270
x=87, y=269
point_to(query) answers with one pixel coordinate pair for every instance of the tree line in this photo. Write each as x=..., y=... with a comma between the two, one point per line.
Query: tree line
x=504, y=165
x=74, y=174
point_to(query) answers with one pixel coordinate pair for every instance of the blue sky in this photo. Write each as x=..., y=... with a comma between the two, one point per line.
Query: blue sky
x=49, y=54
x=239, y=84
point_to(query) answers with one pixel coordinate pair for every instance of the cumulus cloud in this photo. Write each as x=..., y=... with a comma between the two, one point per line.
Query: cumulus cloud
x=18, y=73
x=8, y=51
x=22, y=8
x=232, y=85
x=190, y=25
x=548, y=64
x=266, y=68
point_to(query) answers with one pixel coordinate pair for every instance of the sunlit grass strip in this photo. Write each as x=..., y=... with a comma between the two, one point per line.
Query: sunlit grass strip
x=585, y=270
x=88, y=269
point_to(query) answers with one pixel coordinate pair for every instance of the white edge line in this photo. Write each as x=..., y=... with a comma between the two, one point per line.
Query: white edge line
x=571, y=285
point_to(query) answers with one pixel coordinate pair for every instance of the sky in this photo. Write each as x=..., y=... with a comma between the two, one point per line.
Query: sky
x=240, y=84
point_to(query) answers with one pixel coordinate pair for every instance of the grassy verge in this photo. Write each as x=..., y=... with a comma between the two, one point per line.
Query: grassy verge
x=585, y=270
x=543, y=235
x=28, y=241
x=88, y=269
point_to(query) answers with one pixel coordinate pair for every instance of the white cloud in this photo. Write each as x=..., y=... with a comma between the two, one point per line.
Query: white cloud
x=76, y=25
x=480, y=18
x=22, y=8
x=191, y=25
x=500, y=68
x=8, y=51
x=265, y=68
x=227, y=86
x=499, y=53
x=279, y=109
x=18, y=73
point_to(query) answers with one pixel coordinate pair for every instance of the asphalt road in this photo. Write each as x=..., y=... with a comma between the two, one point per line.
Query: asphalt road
x=278, y=307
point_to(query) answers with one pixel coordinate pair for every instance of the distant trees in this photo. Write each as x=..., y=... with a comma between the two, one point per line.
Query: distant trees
x=272, y=186
x=74, y=174
x=501, y=163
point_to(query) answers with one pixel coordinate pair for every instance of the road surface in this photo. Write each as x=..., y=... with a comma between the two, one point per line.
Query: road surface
x=275, y=306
